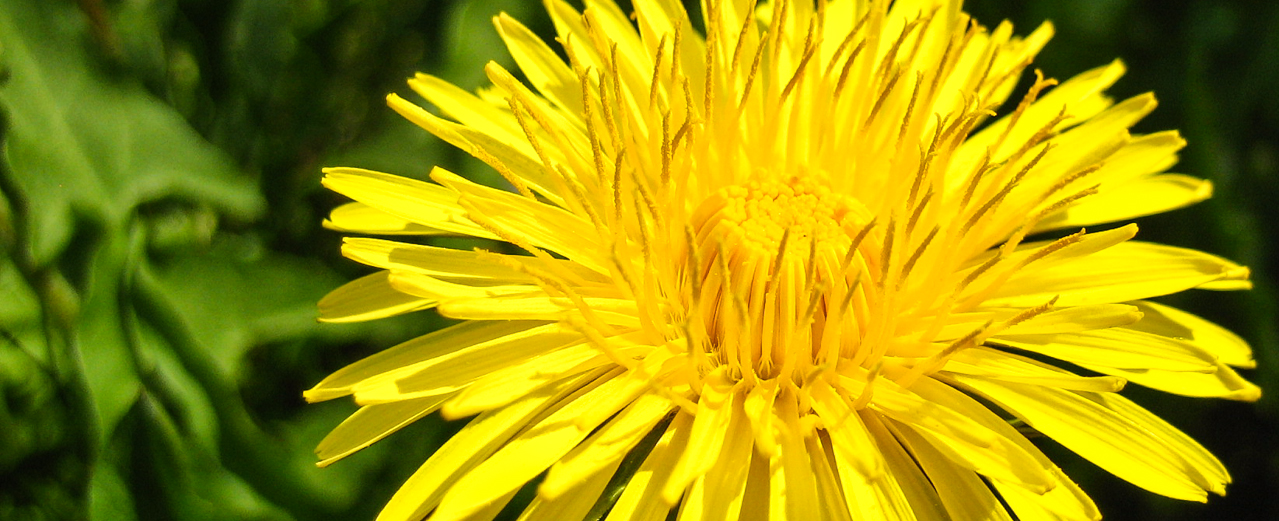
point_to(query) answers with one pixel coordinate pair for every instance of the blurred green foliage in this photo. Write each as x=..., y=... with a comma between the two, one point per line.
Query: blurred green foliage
x=163, y=254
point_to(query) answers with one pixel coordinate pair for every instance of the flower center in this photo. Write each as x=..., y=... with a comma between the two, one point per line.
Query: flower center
x=783, y=270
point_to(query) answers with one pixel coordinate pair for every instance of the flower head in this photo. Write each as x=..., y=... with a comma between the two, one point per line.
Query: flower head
x=803, y=264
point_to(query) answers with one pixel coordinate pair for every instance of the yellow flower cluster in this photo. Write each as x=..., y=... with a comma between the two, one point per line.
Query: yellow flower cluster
x=795, y=266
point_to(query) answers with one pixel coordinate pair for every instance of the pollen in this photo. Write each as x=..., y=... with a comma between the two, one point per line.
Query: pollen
x=756, y=217
x=789, y=255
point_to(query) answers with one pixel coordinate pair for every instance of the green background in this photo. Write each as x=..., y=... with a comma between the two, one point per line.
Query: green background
x=162, y=249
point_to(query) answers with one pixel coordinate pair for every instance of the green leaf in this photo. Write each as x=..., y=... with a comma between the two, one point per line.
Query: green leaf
x=83, y=145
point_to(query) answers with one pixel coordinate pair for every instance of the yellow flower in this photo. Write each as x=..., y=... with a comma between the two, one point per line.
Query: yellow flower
x=793, y=266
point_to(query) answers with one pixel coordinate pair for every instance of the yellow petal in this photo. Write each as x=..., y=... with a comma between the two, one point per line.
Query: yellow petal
x=714, y=410
x=609, y=19
x=919, y=493
x=424, y=203
x=1092, y=142
x=1127, y=271
x=576, y=504
x=963, y=494
x=557, y=230
x=522, y=458
x=1116, y=440
x=452, y=371
x=1076, y=319
x=605, y=447
x=372, y=423
x=719, y=494
x=446, y=263
x=1222, y=383
x=657, y=18
x=983, y=361
x=1145, y=155
x=471, y=111
x=504, y=156
x=460, y=266
x=1116, y=347
x=959, y=436
x=544, y=69
x=495, y=388
x=618, y=312
x=1064, y=501
x=871, y=490
x=364, y=219
x=1208, y=470
x=757, y=495
x=835, y=508
x=1088, y=244
x=473, y=444
x=1147, y=196
x=406, y=355
x=1112, y=122
x=428, y=287
x=642, y=498
x=796, y=493
x=367, y=298
x=1174, y=323
x=1081, y=97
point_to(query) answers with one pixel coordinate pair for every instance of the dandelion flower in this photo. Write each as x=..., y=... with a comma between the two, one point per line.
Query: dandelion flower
x=804, y=263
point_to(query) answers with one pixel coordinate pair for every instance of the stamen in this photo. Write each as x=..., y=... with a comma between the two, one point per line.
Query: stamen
x=549, y=282
x=999, y=197
x=1066, y=181
x=779, y=27
x=1030, y=224
x=883, y=96
x=1026, y=101
x=505, y=171
x=843, y=45
x=978, y=272
x=694, y=265
x=926, y=160
x=592, y=135
x=610, y=119
x=517, y=110
x=809, y=48
x=919, y=210
x=857, y=241
x=587, y=204
x=747, y=23
x=677, y=51
x=914, y=257
x=750, y=77
x=990, y=64
x=910, y=109
x=666, y=150
x=617, y=90
x=712, y=42
x=848, y=67
x=646, y=245
x=887, y=256
x=937, y=360
x=657, y=73
x=890, y=58
x=868, y=391
x=781, y=256
x=617, y=189
x=985, y=168
x=1024, y=316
